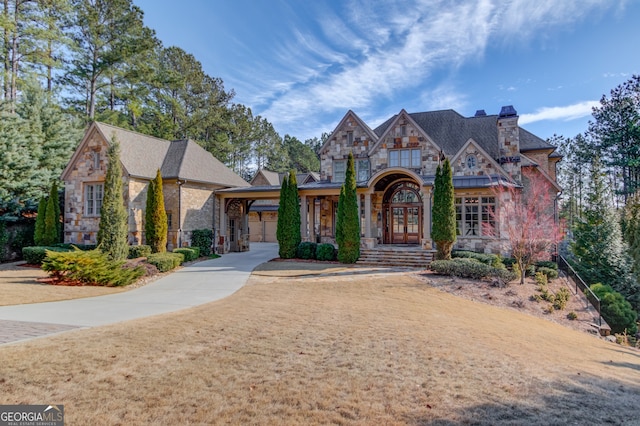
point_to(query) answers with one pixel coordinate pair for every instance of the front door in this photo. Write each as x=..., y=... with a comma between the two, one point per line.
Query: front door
x=405, y=225
x=402, y=210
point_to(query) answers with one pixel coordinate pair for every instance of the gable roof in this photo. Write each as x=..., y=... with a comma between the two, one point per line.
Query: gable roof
x=451, y=131
x=142, y=155
x=347, y=116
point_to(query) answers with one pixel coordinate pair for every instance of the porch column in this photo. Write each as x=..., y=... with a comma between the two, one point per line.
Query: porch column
x=223, y=219
x=367, y=215
x=303, y=218
x=426, y=219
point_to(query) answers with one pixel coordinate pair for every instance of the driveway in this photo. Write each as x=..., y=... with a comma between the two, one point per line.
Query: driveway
x=190, y=286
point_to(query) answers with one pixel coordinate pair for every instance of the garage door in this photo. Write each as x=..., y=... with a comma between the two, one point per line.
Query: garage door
x=270, y=231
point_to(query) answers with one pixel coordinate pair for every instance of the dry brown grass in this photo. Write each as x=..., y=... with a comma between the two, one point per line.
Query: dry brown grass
x=25, y=284
x=344, y=348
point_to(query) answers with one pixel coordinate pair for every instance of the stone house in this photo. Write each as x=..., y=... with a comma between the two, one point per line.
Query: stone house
x=395, y=170
x=191, y=177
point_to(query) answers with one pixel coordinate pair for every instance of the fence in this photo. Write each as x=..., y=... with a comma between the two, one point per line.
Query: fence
x=579, y=283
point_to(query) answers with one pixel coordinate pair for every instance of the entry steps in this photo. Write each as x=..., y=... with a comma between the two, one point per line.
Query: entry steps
x=399, y=256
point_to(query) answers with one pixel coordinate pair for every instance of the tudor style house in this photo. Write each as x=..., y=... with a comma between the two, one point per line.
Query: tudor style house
x=191, y=176
x=395, y=170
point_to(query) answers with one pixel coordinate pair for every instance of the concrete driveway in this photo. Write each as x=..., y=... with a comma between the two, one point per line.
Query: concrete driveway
x=190, y=286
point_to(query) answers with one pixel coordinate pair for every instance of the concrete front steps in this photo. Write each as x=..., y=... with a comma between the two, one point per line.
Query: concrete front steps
x=398, y=256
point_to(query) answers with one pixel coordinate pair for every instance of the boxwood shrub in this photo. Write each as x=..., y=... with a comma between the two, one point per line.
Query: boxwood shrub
x=190, y=253
x=486, y=258
x=549, y=272
x=470, y=268
x=306, y=250
x=166, y=261
x=139, y=251
x=326, y=252
x=35, y=255
x=547, y=264
x=203, y=239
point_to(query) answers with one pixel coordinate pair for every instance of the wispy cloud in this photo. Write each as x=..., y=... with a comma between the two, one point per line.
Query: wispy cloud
x=368, y=52
x=565, y=113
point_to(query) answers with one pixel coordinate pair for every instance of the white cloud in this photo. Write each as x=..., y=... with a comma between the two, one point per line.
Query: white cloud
x=370, y=51
x=565, y=113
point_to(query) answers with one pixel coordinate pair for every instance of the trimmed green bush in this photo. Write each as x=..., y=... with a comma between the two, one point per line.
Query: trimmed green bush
x=547, y=264
x=509, y=262
x=348, y=220
x=189, y=253
x=89, y=267
x=306, y=250
x=202, y=239
x=325, y=252
x=470, y=268
x=155, y=223
x=166, y=261
x=443, y=211
x=139, y=251
x=35, y=255
x=548, y=272
x=489, y=259
x=615, y=309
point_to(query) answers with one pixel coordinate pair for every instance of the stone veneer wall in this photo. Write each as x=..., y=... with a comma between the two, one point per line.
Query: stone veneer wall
x=78, y=228
x=483, y=164
x=509, y=145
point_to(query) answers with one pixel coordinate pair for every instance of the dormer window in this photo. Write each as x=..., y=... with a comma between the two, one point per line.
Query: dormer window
x=471, y=162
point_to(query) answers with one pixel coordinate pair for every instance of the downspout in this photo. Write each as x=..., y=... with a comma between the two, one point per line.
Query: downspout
x=180, y=183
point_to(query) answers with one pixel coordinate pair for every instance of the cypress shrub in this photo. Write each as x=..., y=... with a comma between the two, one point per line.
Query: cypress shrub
x=139, y=251
x=50, y=234
x=325, y=252
x=288, y=232
x=348, y=221
x=38, y=234
x=156, y=226
x=113, y=229
x=203, y=240
x=444, y=212
x=166, y=261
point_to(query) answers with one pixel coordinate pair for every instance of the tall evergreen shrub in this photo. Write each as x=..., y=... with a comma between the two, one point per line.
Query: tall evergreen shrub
x=38, y=234
x=443, y=229
x=112, y=232
x=348, y=221
x=288, y=232
x=51, y=218
x=156, y=225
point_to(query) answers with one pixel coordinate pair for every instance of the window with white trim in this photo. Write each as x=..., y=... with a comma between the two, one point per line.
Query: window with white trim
x=339, y=169
x=475, y=216
x=93, y=193
x=409, y=158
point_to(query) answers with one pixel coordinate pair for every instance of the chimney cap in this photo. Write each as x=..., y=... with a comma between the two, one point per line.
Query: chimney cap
x=480, y=113
x=508, y=111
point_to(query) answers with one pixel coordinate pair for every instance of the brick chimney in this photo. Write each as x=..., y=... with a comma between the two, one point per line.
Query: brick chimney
x=509, y=142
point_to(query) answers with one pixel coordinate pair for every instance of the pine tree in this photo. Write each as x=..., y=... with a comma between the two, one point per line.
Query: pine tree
x=348, y=221
x=444, y=211
x=600, y=255
x=113, y=230
x=156, y=225
x=38, y=233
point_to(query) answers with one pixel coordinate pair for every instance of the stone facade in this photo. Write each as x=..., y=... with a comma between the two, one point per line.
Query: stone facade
x=189, y=204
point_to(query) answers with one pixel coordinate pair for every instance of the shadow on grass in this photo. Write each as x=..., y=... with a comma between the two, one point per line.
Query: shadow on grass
x=586, y=401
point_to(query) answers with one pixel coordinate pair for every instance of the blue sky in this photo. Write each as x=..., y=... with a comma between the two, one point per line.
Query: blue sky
x=303, y=64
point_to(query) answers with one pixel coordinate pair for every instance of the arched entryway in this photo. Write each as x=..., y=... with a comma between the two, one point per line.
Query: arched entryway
x=402, y=213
